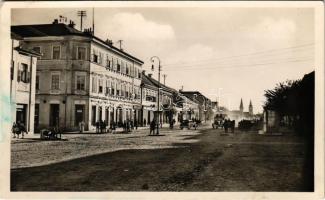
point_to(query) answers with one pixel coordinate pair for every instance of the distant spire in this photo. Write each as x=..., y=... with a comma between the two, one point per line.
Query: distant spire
x=241, y=107
x=250, y=107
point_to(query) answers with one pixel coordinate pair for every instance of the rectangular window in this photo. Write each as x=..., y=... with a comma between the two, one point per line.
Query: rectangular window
x=118, y=66
x=108, y=84
x=55, y=85
x=94, y=84
x=24, y=73
x=108, y=62
x=81, y=54
x=81, y=82
x=95, y=56
x=127, y=70
x=100, y=58
x=37, y=82
x=56, y=52
x=37, y=49
x=113, y=88
x=100, y=86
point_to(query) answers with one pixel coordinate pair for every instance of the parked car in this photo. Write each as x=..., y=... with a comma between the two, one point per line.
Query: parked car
x=188, y=124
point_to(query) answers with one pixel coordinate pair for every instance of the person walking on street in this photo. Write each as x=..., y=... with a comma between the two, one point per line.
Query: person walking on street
x=152, y=127
x=136, y=124
x=97, y=126
x=233, y=126
x=225, y=125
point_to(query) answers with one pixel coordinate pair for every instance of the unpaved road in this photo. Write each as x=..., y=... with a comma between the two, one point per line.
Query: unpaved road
x=240, y=162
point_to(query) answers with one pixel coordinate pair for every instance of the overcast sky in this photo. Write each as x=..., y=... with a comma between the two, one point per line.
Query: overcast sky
x=225, y=53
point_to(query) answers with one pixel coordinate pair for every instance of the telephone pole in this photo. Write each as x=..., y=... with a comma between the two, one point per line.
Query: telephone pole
x=81, y=14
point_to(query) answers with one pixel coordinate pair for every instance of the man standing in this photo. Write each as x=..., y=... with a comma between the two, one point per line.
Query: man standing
x=152, y=127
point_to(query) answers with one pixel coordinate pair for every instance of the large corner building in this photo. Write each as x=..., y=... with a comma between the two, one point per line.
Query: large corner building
x=81, y=78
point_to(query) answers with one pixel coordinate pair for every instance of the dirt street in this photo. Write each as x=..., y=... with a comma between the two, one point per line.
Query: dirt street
x=210, y=162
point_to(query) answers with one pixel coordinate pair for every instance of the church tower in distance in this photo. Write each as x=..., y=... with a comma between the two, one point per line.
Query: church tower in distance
x=250, y=107
x=241, y=107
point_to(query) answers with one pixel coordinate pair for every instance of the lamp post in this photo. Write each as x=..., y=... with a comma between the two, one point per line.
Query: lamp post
x=158, y=93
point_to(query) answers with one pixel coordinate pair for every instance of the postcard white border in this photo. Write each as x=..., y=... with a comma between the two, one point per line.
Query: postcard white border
x=319, y=105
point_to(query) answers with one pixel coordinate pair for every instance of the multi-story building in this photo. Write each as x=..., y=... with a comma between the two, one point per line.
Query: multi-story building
x=204, y=104
x=81, y=78
x=184, y=107
x=22, y=84
x=149, y=88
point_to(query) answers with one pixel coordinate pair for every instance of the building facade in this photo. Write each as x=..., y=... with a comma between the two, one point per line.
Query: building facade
x=205, y=111
x=149, y=88
x=81, y=78
x=23, y=80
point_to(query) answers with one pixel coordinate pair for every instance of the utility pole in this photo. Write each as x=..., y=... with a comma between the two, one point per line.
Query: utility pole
x=164, y=75
x=120, y=41
x=158, y=107
x=93, y=21
x=81, y=14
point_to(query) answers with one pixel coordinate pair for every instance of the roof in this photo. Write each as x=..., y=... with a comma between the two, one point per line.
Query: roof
x=191, y=95
x=15, y=36
x=153, y=82
x=45, y=30
x=27, y=52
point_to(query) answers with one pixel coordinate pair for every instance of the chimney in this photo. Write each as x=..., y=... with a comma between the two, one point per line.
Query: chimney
x=71, y=24
x=150, y=75
x=56, y=21
x=109, y=42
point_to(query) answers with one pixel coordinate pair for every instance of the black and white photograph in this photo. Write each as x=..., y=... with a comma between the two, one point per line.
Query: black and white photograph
x=175, y=97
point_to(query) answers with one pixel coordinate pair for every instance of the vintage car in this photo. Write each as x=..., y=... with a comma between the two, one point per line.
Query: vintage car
x=218, y=121
x=188, y=124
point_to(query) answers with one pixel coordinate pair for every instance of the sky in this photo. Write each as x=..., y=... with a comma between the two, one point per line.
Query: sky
x=225, y=53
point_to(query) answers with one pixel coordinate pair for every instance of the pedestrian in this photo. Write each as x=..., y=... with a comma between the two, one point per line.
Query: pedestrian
x=225, y=125
x=97, y=126
x=22, y=129
x=144, y=122
x=113, y=127
x=233, y=126
x=136, y=124
x=104, y=126
x=15, y=129
x=152, y=127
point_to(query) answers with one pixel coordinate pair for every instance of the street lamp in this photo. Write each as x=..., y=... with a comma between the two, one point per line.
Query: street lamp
x=158, y=93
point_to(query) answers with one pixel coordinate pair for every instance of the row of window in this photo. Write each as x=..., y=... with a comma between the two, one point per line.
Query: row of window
x=150, y=95
x=114, y=88
x=109, y=62
x=55, y=81
x=115, y=64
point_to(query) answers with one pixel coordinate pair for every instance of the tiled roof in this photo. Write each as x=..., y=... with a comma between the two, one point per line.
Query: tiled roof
x=44, y=30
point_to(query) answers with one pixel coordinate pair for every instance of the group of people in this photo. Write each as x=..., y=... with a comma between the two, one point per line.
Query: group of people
x=18, y=128
x=229, y=124
x=127, y=125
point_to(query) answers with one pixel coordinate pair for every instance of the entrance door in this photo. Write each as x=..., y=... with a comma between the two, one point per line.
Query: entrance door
x=112, y=116
x=93, y=115
x=54, y=114
x=106, y=115
x=79, y=114
x=21, y=113
x=36, y=117
x=100, y=112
